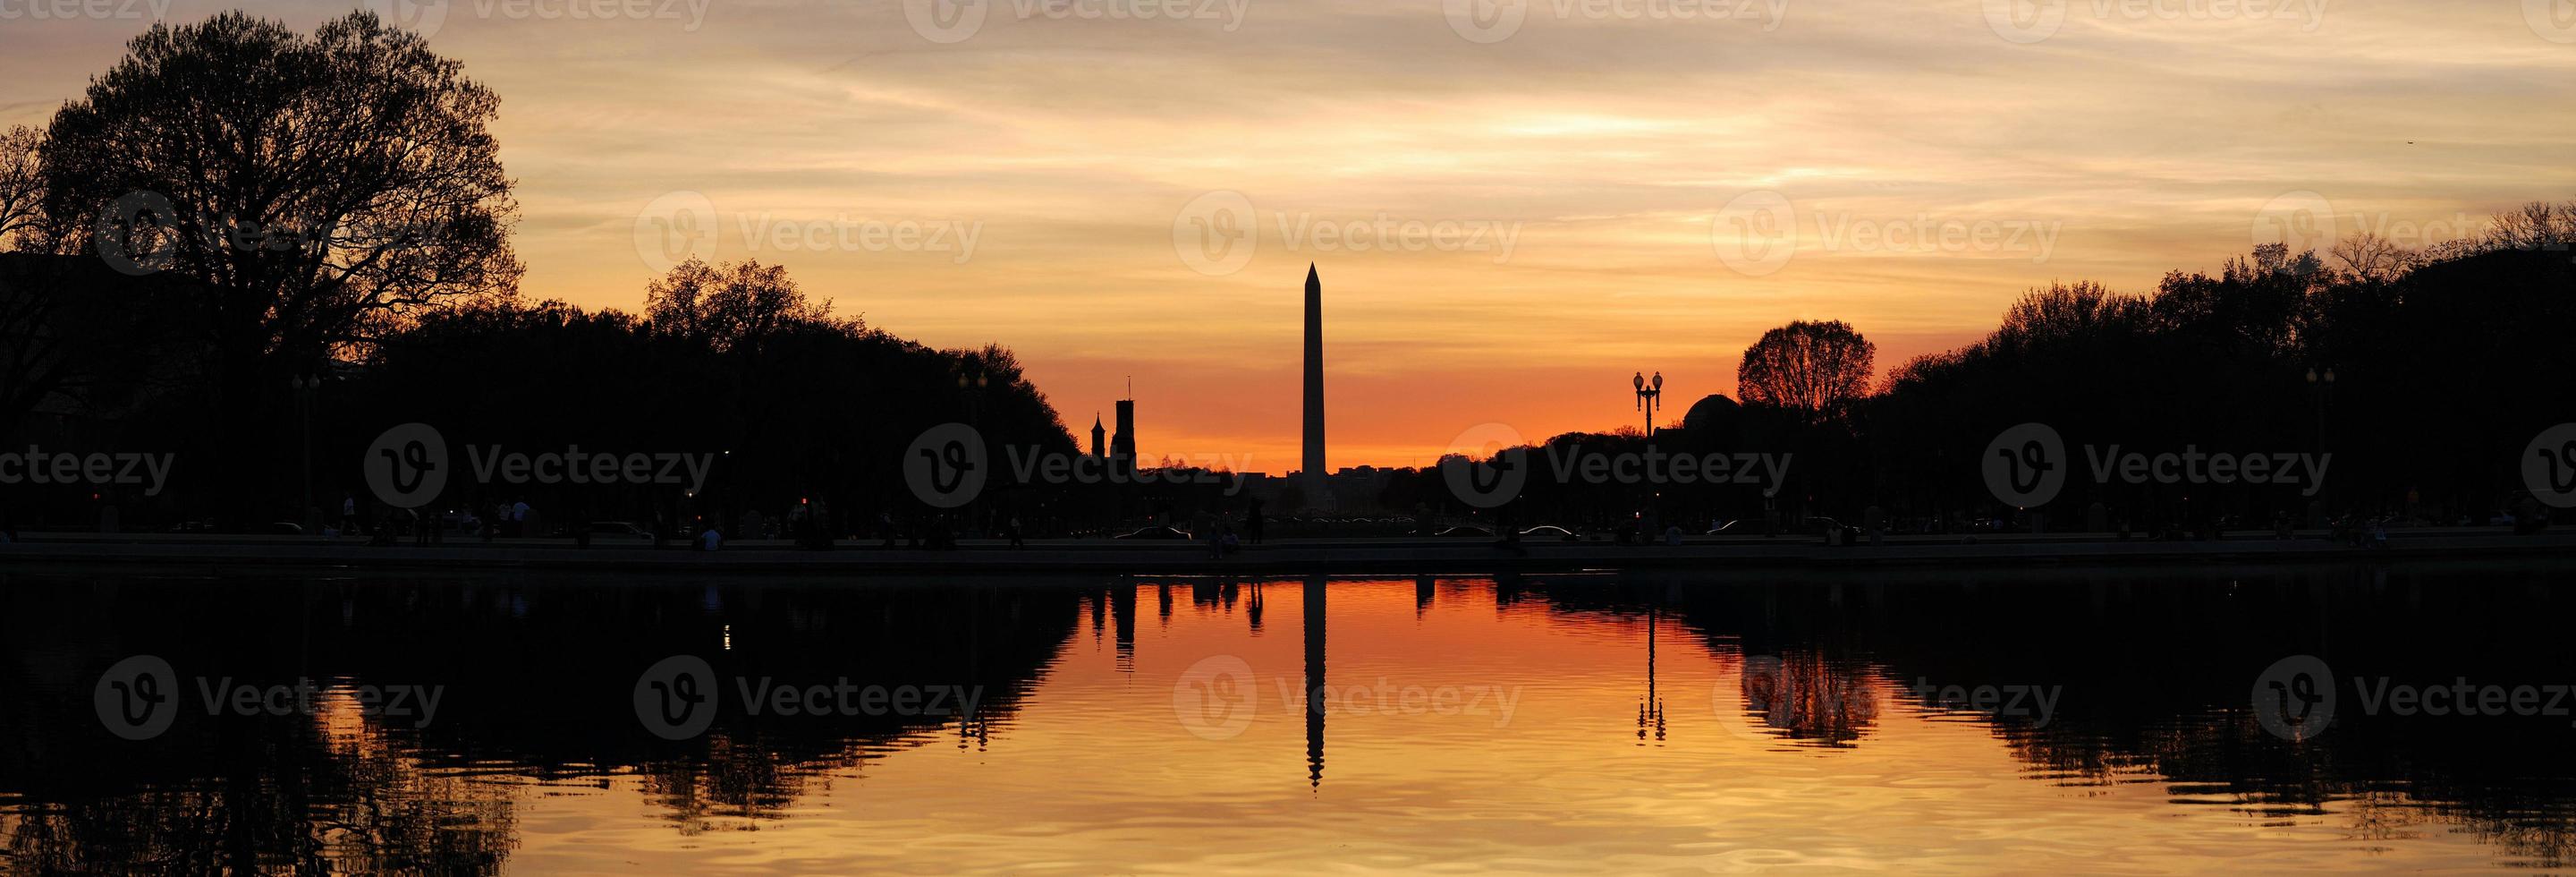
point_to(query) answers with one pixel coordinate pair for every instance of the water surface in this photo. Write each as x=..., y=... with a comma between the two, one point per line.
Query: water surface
x=1551, y=723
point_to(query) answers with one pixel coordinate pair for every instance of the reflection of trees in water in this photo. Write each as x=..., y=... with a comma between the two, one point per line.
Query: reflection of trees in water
x=733, y=779
x=539, y=679
x=298, y=803
x=1809, y=698
x=2157, y=666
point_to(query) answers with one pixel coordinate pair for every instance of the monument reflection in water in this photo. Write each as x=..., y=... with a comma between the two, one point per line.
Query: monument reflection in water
x=1967, y=720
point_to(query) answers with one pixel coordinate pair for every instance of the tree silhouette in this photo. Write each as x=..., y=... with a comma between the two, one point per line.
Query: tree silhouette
x=1815, y=368
x=321, y=188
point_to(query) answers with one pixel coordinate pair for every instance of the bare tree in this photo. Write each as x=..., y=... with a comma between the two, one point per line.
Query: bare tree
x=314, y=185
x=734, y=306
x=22, y=187
x=1815, y=368
x=2372, y=258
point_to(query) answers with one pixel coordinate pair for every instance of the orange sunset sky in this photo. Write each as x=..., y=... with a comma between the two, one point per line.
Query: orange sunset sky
x=1929, y=161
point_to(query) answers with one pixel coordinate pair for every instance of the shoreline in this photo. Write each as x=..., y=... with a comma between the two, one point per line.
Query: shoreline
x=1345, y=556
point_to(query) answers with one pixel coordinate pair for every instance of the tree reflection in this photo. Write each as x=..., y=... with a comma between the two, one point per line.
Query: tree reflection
x=537, y=685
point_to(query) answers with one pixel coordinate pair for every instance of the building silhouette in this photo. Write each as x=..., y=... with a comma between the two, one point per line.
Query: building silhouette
x=1097, y=451
x=1317, y=495
x=1122, y=445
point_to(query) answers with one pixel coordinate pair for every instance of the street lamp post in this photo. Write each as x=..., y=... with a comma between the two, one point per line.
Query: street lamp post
x=1648, y=396
x=2323, y=381
x=304, y=386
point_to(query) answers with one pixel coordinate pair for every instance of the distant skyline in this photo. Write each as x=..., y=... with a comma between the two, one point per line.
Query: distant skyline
x=1614, y=154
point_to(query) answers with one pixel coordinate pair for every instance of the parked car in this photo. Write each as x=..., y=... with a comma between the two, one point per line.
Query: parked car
x=1154, y=533
x=1466, y=530
x=1550, y=532
x=1735, y=527
x=618, y=530
x=1828, y=528
x=285, y=528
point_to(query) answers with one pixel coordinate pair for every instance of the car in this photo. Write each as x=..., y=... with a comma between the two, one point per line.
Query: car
x=1154, y=533
x=285, y=528
x=1828, y=529
x=1465, y=530
x=1550, y=532
x=618, y=530
x=1729, y=528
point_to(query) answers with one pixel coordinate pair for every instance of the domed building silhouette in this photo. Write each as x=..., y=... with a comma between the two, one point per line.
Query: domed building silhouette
x=1714, y=420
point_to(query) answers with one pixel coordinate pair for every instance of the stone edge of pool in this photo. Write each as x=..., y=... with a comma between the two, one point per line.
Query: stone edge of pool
x=1346, y=556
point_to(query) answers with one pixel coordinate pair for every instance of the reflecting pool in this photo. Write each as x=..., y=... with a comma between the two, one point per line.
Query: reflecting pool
x=2265, y=719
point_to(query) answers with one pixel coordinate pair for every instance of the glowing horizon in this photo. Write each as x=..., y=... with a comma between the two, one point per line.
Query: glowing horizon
x=1935, y=162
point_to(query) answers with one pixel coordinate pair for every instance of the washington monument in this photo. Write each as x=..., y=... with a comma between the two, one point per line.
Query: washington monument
x=1313, y=479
